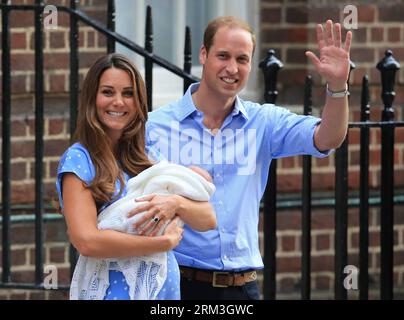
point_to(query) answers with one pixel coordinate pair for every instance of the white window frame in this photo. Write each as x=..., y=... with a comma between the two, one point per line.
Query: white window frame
x=168, y=87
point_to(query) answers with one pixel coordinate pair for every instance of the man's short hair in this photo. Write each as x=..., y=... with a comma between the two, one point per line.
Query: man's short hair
x=225, y=21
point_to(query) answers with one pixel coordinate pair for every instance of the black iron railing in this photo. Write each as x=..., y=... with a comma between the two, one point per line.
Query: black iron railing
x=270, y=67
x=76, y=16
x=388, y=67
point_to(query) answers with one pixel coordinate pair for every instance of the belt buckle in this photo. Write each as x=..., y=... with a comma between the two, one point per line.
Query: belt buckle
x=215, y=274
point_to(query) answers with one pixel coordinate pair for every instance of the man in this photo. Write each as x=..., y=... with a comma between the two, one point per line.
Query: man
x=235, y=140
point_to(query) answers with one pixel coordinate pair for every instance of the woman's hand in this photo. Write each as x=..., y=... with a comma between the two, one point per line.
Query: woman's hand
x=174, y=233
x=159, y=210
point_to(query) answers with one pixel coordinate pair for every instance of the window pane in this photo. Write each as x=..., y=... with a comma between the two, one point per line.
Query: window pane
x=197, y=17
x=163, y=27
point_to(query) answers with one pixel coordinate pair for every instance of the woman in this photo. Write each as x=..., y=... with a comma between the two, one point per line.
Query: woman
x=93, y=173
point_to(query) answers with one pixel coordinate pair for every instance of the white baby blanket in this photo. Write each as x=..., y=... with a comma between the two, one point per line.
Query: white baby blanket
x=145, y=275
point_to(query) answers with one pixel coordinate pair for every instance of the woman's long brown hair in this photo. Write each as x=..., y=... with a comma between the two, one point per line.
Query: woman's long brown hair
x=131, y=157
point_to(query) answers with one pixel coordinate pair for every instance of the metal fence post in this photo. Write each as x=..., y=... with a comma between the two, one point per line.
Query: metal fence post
x=388, y=67
x=270, y=67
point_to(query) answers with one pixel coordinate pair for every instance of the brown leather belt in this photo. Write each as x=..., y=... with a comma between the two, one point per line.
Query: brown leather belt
x=218, y=278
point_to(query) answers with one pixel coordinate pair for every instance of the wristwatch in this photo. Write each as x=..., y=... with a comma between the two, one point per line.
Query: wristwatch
x=337, y=94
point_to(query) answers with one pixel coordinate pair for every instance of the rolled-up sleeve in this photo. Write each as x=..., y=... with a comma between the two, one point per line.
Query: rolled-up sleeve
x=292, y=134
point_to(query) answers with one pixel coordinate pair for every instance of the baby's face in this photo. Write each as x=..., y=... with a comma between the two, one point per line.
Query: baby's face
x=203, y=173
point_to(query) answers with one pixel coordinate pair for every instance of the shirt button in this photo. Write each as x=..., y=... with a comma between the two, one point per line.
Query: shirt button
x=225, y=257
x=220, y=203
x=222, y=230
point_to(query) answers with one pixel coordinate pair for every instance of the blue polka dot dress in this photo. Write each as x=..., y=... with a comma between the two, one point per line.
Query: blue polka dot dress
x=77, y=160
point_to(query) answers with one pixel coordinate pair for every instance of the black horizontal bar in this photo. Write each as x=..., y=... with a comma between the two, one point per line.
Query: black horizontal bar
x=31, y=286
x=119, y=38
x=375, y=124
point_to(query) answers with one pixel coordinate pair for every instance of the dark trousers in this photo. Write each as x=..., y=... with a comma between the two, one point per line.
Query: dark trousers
x=197, y=290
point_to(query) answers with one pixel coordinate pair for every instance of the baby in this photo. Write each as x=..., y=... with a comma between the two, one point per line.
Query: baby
x=91, y=275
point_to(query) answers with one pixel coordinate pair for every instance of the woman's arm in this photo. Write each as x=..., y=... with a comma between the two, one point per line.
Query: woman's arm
x=81, y=219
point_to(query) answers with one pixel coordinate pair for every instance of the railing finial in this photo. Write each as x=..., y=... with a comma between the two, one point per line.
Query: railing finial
x=388, y=67
x=270, y=67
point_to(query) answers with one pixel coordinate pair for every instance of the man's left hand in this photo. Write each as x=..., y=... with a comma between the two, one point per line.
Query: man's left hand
x=333, y=63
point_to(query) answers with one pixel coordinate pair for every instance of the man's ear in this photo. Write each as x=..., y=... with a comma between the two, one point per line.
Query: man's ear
x=202, y=55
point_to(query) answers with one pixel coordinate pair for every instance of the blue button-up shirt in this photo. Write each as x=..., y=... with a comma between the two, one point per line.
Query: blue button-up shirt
x=237, y=156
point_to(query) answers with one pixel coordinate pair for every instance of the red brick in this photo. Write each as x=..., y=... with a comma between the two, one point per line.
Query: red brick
x=53, y=165
x=18, y=128
x=288, y=162
x=18, y=84
x=57, y=255
x=288, y=264
x=377, y=34
x=296, y=56
x=359, y=35
x=81, y=39
x=289, y=220
x=55, y=126
x=285, y=35
x=56, y=60
x=289, y=182
x=102, y=41
x=19, y=296
x=57, y=40
x=297, y=14
x=18, y=171
x=23, y=193
x=353, y=179
x=394, y=34
x=90, y=39
x=57, y=83
x=363, y=54
x=55, y=232
x=323, y=220
x=322, y=162
x=354, y=136
x=58, y=295
x=292, y=76
x=323, y=181
x=20, y=19
x=322, y=263
x=270, y=15
x=366, y=13
x=288, y=243
x=18, y=40
x=322, y=282
x=22, y=149
x=323, y=242
x=287, y=285
x=55, y=147
x=22, y=62
x=18, y=257
x=322, y=14
x=392, y=13
x=23, y=276
x=37, y=295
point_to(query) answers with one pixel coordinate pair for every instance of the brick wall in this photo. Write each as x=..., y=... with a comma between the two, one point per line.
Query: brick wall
x=287, y=26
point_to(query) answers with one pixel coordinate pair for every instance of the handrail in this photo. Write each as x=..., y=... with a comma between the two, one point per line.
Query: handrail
x=119, y=38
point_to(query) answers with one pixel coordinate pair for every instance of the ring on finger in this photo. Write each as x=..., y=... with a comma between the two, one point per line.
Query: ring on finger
x=156, y=219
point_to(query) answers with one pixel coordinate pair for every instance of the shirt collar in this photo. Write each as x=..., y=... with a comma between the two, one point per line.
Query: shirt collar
x=188, y=107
